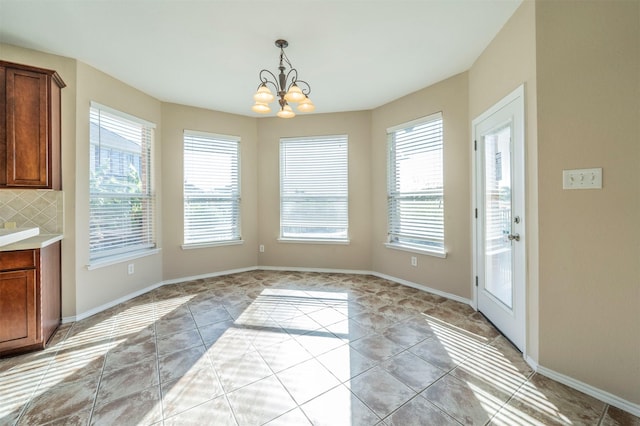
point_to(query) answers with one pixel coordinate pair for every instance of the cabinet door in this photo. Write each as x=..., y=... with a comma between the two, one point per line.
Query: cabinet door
x=3, y=127
x=18, y=309
x=27, y=124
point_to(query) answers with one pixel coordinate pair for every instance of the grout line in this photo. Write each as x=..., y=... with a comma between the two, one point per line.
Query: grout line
x=155, y=341
x=104, y=363
x=604, y=413
x=213, y=367
x=218, y=377
x=417, y=395
x=37, y=385
x=511, y=397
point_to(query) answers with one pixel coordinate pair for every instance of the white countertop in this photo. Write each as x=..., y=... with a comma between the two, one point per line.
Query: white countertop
x=39, y=241
x=13, y=235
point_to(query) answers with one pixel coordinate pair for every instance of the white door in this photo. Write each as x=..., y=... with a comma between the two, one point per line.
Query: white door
x=499, y=222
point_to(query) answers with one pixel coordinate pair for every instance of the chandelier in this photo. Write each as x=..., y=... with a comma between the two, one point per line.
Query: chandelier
x=288, y=90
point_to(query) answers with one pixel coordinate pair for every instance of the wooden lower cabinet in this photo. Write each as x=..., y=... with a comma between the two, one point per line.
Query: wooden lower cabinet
x=29, y=298
x=18, y=307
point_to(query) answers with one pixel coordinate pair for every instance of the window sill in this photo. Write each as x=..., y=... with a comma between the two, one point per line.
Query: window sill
x=211, y=244
x=434, y=253
x=112, y=260
x=314, y=241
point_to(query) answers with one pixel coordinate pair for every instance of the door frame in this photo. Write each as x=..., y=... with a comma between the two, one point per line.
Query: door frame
x=519, y=177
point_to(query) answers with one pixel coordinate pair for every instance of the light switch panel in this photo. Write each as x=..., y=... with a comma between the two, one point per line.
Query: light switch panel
x=582, y=179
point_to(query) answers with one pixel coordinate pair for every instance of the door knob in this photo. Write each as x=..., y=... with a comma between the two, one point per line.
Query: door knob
x=514, y=237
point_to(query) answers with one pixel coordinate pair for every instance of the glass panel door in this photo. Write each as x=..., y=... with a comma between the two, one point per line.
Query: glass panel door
x=497, y=215
x=499, y=227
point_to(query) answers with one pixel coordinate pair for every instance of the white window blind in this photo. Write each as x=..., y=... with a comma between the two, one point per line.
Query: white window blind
x=211, y=188
x=415, y=184
x=120, y=192
x=314, y=188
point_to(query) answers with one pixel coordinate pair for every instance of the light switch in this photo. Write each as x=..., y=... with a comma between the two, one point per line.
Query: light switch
x=582, y=179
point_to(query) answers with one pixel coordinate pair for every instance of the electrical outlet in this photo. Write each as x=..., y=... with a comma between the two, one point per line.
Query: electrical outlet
x=414, y=261
x=130, y=268
x=9, y=225
x=261, y=248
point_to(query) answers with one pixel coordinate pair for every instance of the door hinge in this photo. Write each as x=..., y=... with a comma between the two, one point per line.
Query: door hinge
x=475, y=145
x=476, y=281
x=476, y=213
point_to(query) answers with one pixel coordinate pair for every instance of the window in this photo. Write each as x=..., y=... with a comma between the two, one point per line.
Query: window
x=120, y=193
x=314, y=189
x=415, y=185
x=211, y=188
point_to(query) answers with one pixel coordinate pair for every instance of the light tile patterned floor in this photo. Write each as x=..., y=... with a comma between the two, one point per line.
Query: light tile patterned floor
x=284, y=348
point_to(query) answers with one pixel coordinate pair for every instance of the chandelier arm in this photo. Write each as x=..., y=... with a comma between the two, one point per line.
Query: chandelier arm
x=294, y=78
x=264, y=80
x=304, y=86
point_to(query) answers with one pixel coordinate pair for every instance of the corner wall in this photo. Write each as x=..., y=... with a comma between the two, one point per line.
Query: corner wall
x=508, y=62
x=453, y=274
x=357, y=254
x=588, y=70
x=97, y=287
x=176, y=262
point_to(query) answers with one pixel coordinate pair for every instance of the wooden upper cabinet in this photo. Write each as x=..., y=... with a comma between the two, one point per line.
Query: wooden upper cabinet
x=31, y=130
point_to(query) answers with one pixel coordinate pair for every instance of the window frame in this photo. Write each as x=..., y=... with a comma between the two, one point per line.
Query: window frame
x=235, y=198
x=339, y=198
x=432, y=246
x=147, y=245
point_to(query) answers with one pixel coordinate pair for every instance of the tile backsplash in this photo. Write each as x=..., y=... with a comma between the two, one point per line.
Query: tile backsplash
x=33, y=207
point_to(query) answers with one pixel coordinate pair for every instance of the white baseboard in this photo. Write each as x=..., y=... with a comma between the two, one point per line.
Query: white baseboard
x=375, y=274
x=111, y=304
x=600, y=394
x=325, y=270
x=137, y=293
x=211, y=275
x=424, y=288
x=532, y=362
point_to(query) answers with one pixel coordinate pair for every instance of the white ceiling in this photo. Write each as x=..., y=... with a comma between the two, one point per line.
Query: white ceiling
x=356, y=54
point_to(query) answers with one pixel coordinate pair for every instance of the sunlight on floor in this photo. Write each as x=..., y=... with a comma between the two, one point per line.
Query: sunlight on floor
x=494, y=373
x=273, y=317
x=291, y=352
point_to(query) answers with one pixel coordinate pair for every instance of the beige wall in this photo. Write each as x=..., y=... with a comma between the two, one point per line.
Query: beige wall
x=101, y=286
x=581, y=68
x=357, y=254
x=66, y=68
x=178, y=263
x=508, y=62
x=453, y=274
x=588, y=71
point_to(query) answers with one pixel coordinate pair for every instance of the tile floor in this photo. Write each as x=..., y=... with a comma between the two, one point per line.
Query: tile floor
x=284, y=348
